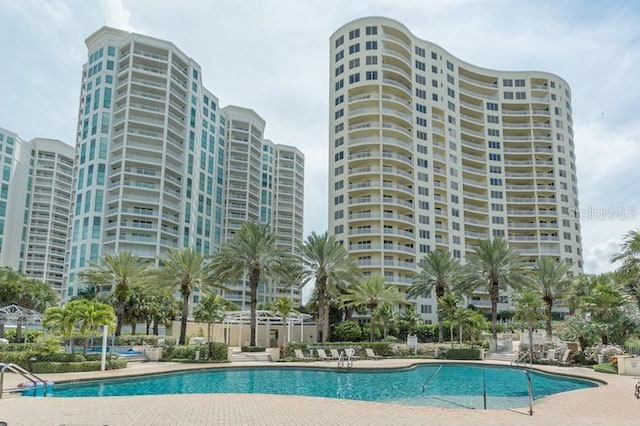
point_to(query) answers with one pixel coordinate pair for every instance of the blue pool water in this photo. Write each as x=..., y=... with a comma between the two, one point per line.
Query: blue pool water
x=447, y=385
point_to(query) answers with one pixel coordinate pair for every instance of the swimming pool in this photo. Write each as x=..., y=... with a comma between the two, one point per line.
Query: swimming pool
x=443, y=385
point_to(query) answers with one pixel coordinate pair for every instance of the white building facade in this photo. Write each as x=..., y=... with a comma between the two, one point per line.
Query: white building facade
x=156, y=169
x=430, y=152
x=34, y=206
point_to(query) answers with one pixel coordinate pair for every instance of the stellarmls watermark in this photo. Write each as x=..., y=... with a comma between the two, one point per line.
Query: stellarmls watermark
x=610, y=213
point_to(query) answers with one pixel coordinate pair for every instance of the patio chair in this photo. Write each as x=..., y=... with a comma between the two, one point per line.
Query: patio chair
x=566, y=358
x=371, y=354
x=350, y=353
x=334, y=353
x=551, y=356
x=300, y=356
x=322, y=354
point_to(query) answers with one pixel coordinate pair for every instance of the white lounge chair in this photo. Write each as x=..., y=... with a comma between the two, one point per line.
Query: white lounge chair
x=350, y=353
x=371, y=354
x=551, y=356
x=300, y=356
x=334, y=353
x=566, y=358
x=322, y=354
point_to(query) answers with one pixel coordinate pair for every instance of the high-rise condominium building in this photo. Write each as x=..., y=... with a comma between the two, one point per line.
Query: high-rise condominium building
x=35, y=194
x=156, y=169
x=264, y=183
x=430, y=152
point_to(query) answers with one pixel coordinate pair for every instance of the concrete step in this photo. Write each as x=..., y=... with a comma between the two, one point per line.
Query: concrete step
x=250, y=357
x=500, y=356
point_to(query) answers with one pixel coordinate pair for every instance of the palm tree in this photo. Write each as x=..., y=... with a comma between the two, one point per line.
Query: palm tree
x=120, y=272
x=89, y=316
x=604, y=304
x=371, y=293
x=438, y=270
x=210, y=309
x=447, y=309
x=326, y=262
x=253, y=252
x=494, y=266
x=184, y=270
x=166, y=309
x=529, y=309
x=552, y=282
x=59, y=321
x=384, y=315
x=629, y=255
x=410, y=318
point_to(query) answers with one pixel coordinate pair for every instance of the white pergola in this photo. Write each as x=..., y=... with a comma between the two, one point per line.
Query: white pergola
x=17, y=314
x=267, y=319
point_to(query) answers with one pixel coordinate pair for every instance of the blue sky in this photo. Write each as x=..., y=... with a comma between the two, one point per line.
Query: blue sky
x=273, y=56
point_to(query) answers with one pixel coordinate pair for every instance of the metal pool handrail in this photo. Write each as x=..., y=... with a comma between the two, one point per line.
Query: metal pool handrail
x=530, y=390
x=424, y=387
x=24, y=373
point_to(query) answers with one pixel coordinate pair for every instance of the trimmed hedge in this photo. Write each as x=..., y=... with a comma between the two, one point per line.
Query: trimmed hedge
x=213, y=351
x=136, y=339
x=465, y=354
x=75, y=367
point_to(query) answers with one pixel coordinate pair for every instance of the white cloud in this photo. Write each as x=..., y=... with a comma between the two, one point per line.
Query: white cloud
x=274, y=57
x=117, y=15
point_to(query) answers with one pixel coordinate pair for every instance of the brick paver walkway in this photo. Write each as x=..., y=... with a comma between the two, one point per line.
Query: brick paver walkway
x=612, y=404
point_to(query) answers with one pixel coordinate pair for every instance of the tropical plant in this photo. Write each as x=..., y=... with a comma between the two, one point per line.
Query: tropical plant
x=17, y=288
x=410, y=319
x=440, y=271
x=347, y=331
x=60, y=322
x=211, y=309
x=326, y=262
x=371, y=293
x=604, y=304
x=184, y=270
x=88, y=317
x=529, y=309
x=119, y=272
x=447, y=310
x=551, y=280
x=494, y=266
x=384, y=316
x=253, y=252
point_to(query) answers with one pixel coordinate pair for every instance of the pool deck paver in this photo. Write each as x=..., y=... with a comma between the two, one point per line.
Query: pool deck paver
x=611, y=404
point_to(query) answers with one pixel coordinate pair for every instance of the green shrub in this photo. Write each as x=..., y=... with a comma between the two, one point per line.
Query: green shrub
x=426, y=332
x=21, y=358
x=462, y=354
x=213, y=351
x=61, y=357
x=28, y=336
x=346, y=331
x=252, y=348
x=74, y=367
x=217, y=351
x=606, y=367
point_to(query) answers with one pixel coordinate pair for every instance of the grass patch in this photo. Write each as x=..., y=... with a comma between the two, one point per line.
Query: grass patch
x=605, y=368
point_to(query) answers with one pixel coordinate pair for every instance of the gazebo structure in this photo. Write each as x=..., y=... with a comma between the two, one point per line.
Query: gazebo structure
x=299, y=327
x=18, y=316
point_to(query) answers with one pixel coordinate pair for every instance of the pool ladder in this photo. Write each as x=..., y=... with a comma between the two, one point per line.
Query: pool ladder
x=37, y=381
x=346, y=356
x=484, y=387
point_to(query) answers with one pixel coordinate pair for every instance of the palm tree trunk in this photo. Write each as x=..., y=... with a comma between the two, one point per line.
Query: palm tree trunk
x=119, y=317
x=133, y=327
x=439, y=296
x=325, y=324
x=495, y=291
x=548, y=305
x=148, y=325
x=156, y=326
x=322, y=286
x=185, y=315
x=531, y=342
x=254, y=280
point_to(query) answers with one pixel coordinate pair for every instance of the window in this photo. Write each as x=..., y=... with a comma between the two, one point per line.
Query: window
x=339, y=55
x=494, y=144
x=371, y=30
x=421, y=65
x=371, y=45
x=339, y=141
x=497, y=220
x=451, y=92
x=507, y=82
x=434, y=69
x=339, y=99
x=338, y=170
x=339, y=84
x=354, y=63
x=508, y=95
x=495, y=169
x=339, y=155
x=354, y=48
x=496, y=194
x=338, y=200
x=422, y=94
x=521, y=95
x=372, y=60
x=338, y=214
x=492, y=106
x=493, y=119
x=493, y=132
x=421, y=122
x=495, y=181
x=372, y=75
x=420, y=79
x=354, y=78
x=520, y=83
x=339, y=41
x=421, y=108
x=354, y=33
x=339, y=70
x=420, y=51
x=338, y=229
x=494, y=157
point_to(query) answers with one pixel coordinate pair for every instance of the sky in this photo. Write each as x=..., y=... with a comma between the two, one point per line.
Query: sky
x=273, y=56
